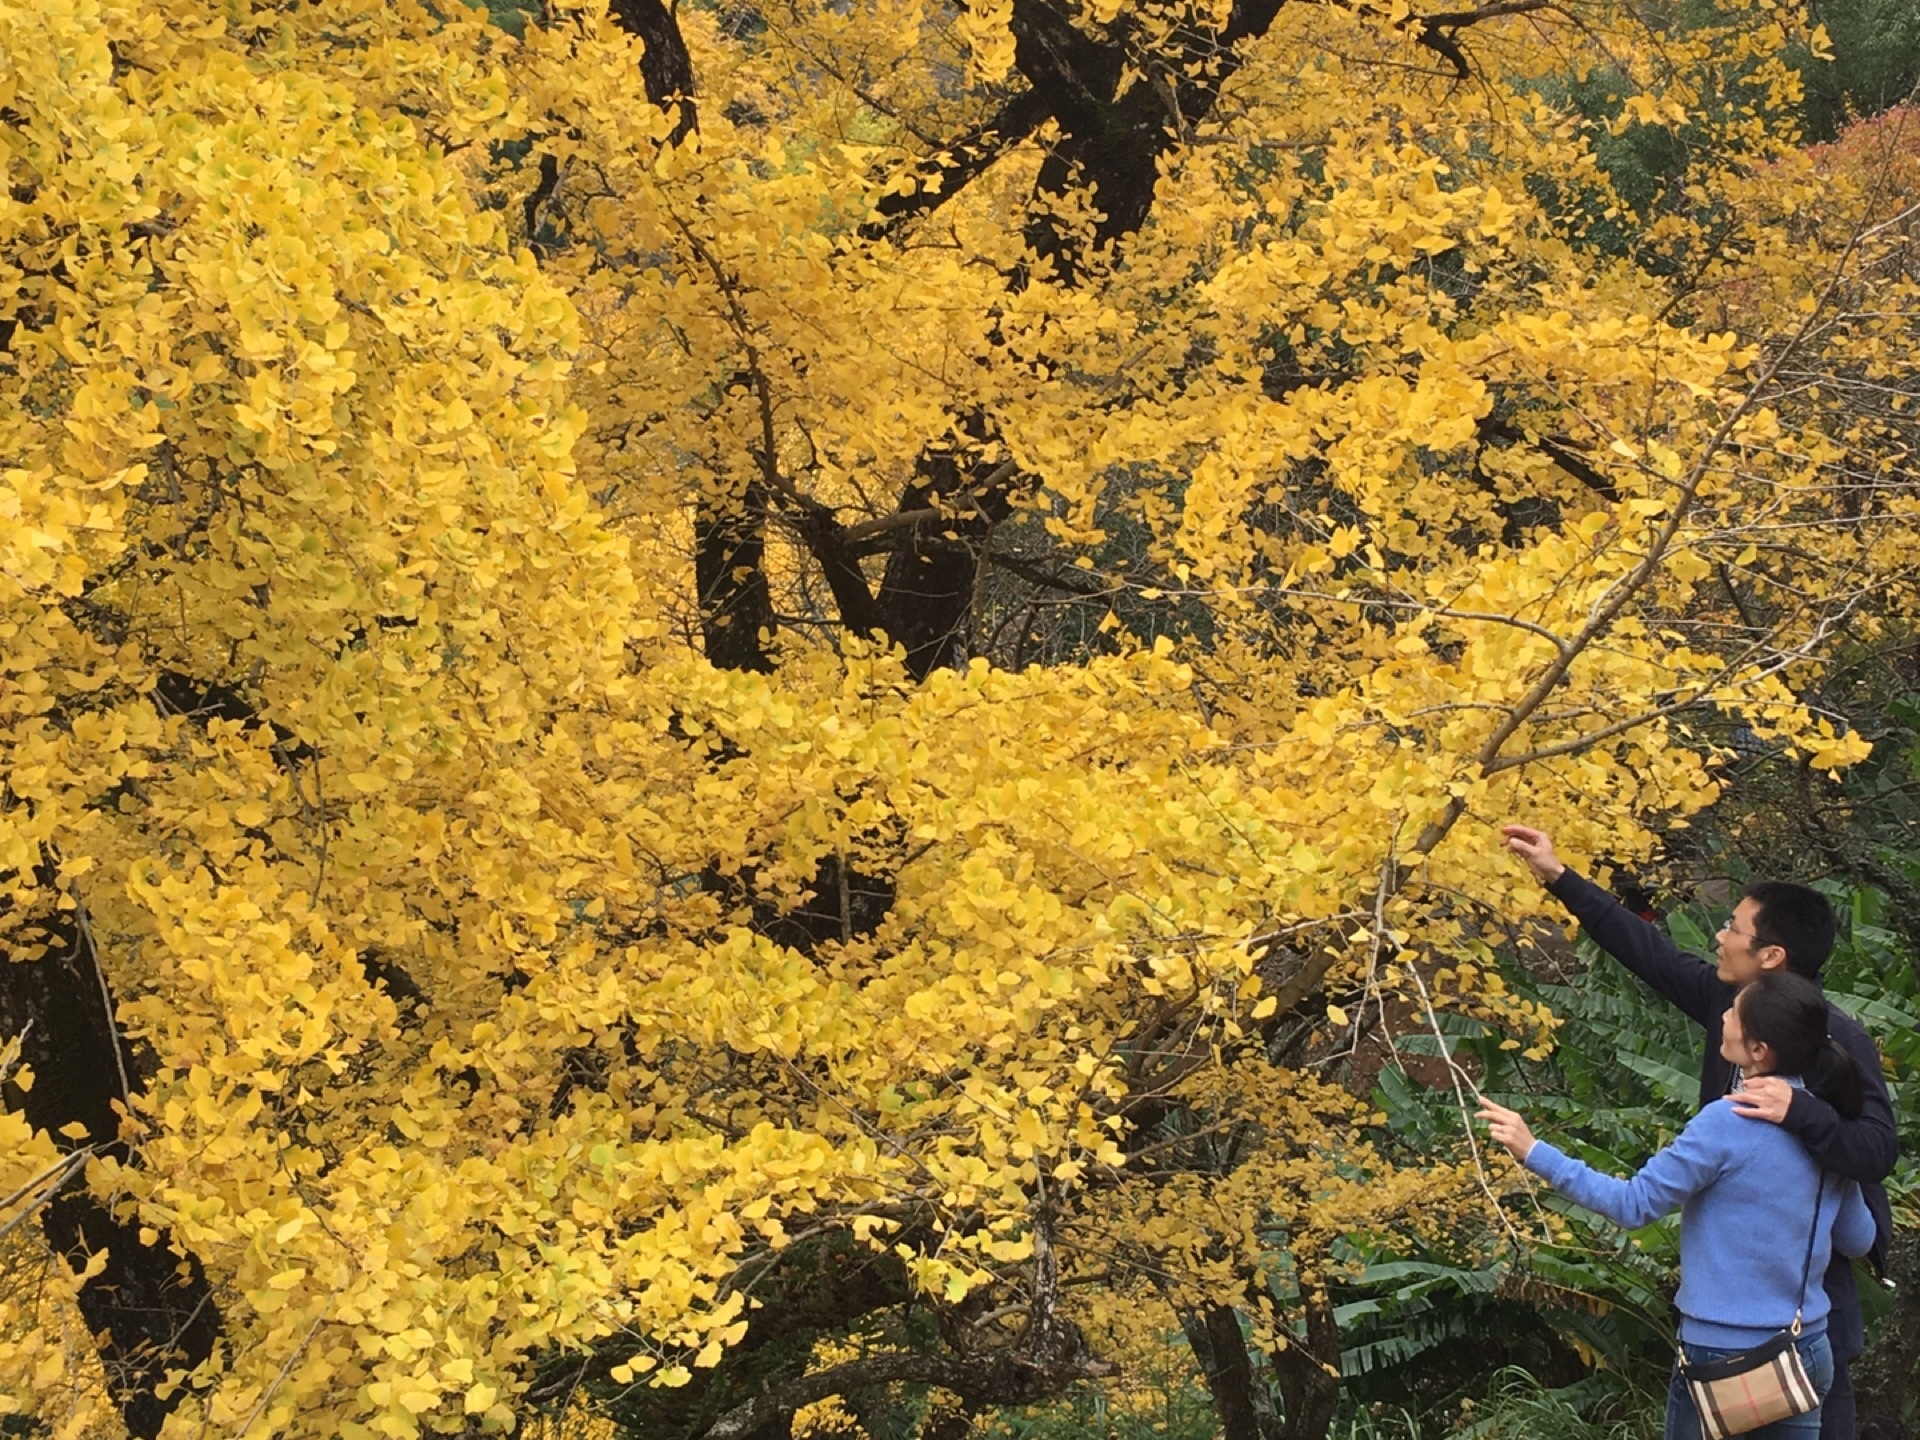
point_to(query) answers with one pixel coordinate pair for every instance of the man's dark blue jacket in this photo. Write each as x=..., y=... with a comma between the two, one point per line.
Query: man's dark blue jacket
x=1863, y=1149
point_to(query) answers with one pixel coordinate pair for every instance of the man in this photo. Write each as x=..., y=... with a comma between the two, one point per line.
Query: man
x=1775, y=924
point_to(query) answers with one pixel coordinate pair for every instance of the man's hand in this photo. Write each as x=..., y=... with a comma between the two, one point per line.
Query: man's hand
x=1536, y=848
x=1507, y=1128
x=1764, y=1097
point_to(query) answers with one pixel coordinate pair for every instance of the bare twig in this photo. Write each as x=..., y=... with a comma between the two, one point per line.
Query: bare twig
x=61, y=1172
x=266, y=1396
x=85, y=927
x=1458, y=1076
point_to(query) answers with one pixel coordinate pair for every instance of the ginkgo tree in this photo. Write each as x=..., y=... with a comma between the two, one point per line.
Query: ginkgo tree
x=721, y=708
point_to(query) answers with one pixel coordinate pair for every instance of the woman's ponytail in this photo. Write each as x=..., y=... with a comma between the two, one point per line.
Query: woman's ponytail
x=1835, y=1078
x=1789, y=1015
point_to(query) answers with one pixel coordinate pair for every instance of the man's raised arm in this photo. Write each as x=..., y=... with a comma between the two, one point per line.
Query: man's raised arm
x=1683, y=979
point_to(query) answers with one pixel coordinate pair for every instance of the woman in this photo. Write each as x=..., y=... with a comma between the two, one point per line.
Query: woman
x=1746, y=1192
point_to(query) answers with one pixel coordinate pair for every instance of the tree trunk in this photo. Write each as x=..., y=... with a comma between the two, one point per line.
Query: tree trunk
x=1309, y=1374
x=1306, y=1375
x=666, y=68
x=1215, y=1337
x=149, y=1310
x=926, y=599
x=736, y=606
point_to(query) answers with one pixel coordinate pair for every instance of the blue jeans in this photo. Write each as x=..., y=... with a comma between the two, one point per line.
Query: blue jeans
x=1683, y=1421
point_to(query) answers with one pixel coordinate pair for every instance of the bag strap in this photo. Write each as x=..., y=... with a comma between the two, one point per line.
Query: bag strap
x=1806, y=1265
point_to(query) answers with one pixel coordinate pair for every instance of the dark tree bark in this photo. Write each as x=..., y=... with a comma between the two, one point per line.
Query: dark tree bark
x=814, y=1288
x=1309, y=1390
x=1309, y=1374
x=666, y=69
x=1215, y=1338
x=736, y=605
x=729, y=562
x=926, y=596
x=149, y=1310
x=947, y=171
x=1113, y=146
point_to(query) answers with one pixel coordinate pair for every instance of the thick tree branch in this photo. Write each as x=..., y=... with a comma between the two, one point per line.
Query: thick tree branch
x=730, y=579
x=1035, y=575
x=932, y=578
x=865, y=530
x=1557, y=449
x=534, y=208
x=1214, y=1336
x=1600, y=619
x=734, y=598
x=1309, y=1374
x=940, y=176
x=834, y=550
x=666, y=69
x=1438, y=32
x=736, y=602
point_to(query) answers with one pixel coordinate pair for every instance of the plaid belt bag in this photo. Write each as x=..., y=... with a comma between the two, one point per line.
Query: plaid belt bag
x=1767, y=1383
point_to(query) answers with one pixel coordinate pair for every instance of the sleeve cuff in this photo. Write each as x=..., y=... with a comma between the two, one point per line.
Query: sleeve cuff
x=1544, y=1160
x=1568, y=883
x=1794, y=1122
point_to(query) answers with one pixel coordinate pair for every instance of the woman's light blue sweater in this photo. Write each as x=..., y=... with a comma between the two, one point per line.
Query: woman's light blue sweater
x=1745, y=1191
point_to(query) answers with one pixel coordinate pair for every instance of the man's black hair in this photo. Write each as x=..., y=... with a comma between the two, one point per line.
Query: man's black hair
x=1798, y=919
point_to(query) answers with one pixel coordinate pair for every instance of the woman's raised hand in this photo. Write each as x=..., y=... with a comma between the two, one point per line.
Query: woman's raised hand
x=1507, y=1128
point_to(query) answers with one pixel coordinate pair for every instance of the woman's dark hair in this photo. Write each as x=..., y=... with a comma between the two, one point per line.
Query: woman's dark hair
x=1788, y=1014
